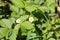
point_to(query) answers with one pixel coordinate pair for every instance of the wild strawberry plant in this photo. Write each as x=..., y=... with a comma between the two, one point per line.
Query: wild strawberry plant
x=29, y=20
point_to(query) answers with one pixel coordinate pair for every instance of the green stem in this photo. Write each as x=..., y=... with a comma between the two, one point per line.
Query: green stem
x=45, y=17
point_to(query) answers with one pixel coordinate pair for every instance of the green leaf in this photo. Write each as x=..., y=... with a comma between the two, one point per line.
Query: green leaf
x=48, y=25
x=12, y=20
x=18, y=13
x=3, y=32
x=21, y=12
x=30, y=7
x=36, y=1
x=23, y=31
x=6, y=23
x=14, y=35
x=35, y=18
x=51, y=39
x=57, y=26
x=24, y=18
x=49, y=2
x=57, y=20
x=49, y=34
x=13, y=8
x=27, y=25
x=14, y=32
x=15, y=15
x=51, y=5
x=18, y=3
x=32, y=36
x=57, y=33
x=42, y=8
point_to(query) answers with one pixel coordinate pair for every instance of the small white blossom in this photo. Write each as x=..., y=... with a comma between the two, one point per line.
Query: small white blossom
x=18, y=21
x=31, y=19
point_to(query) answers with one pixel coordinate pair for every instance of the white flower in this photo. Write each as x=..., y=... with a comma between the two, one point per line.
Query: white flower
x=31, y=19
x=18, y=21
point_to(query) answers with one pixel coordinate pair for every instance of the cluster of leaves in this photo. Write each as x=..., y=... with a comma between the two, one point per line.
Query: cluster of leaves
x=15, y=16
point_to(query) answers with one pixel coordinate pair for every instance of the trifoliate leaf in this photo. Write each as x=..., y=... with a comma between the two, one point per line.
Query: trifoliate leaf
x=3, y=32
